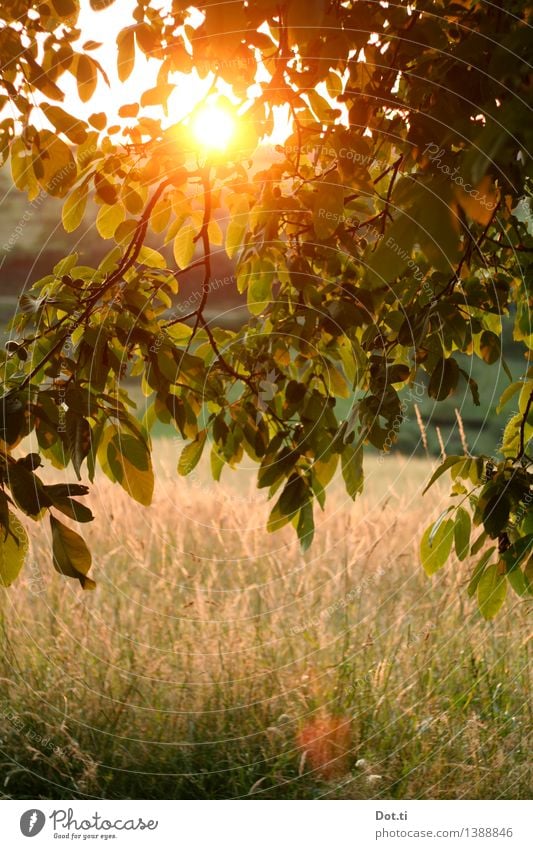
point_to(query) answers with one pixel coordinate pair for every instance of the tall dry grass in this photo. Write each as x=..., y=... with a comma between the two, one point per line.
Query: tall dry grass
x=214, y=660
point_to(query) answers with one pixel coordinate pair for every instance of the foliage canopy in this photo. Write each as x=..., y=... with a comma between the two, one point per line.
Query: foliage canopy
x=386, y=237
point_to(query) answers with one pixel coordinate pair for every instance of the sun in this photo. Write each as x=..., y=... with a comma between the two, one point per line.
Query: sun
x=213, y=126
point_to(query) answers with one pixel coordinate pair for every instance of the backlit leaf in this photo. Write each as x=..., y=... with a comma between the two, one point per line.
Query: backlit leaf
x=13, y=550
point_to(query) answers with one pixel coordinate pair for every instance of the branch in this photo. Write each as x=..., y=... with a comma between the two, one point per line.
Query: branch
x=129, y=258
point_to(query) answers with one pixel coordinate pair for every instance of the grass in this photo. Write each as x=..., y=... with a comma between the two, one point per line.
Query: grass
x=215, y=661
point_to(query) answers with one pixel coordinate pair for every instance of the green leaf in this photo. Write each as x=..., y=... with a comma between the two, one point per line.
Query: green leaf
x=352, y=469
x=508, y=393
x=294, y=495
x=277, y=519
x=78, y=432
x=259, y=293
x=389, y=259
x=13, y=550
x=462, y=529
x=479, y=568
x=444, y=379
x=70, y=553
x=450, y=461
x=190, y=456
x=237, y=225
x=436, y=545
x=491, y=590
x=328, y=205
x=518, y=582
x=306, y=526
x=496, y=514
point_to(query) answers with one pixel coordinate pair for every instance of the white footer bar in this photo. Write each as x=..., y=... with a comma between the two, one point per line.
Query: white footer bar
x=266, y=824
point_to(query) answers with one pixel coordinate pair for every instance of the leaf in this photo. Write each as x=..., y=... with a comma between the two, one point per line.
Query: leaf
x=352, y=469
x=190, y=456
x=472, y=385
x=74, y=208
x=65, y=490
x=490, y=347
x=435, y=546
x=293, y=496
x=86, y=77
x=478, y=571
x=151, y=258
x=259, y=293
x=491, y=591
x=306, y=526
x=462, y=529
x=390, y=258
x=13, y=550
x=78, y=432
x=518, y=582
x=480, y=202
x=277, y=519
x=496, y=514
x=328, y=205
x=157, y=96
x=55, y=163
x=436, y=215
x=184, y=245
x=108, y=219
x=452, y=460
x=71, y=127
x=27, y=490
x=444, y=379
x=130, y=462
x=70, y=554
x=508, y=393
x=39, y=78
x=236, y=228
x=65, y=8
x=126, y=53
x=73, y=509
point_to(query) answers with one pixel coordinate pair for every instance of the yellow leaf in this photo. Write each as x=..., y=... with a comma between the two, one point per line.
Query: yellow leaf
x=71, y=555
x=12, y=551
x=215, y=233
x=74, y=208
x=184, y=245
x=55, y=163
x=108, y=219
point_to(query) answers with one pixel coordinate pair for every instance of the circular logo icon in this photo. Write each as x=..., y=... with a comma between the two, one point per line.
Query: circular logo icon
x=32, y=822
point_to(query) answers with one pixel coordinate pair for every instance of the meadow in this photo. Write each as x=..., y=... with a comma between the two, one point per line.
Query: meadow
x=215, y=660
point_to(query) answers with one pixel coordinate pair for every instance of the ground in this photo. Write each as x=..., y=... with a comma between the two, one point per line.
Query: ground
x=215, y=661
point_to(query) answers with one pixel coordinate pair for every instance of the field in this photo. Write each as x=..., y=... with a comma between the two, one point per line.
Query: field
x=215, y=661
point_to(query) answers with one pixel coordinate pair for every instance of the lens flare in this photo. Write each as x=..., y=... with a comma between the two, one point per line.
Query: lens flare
x=213, y=127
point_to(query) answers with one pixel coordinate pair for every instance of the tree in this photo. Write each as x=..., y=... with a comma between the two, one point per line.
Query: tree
x=387, y=237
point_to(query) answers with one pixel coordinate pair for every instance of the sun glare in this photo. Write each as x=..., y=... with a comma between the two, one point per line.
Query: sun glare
x=213, y=127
